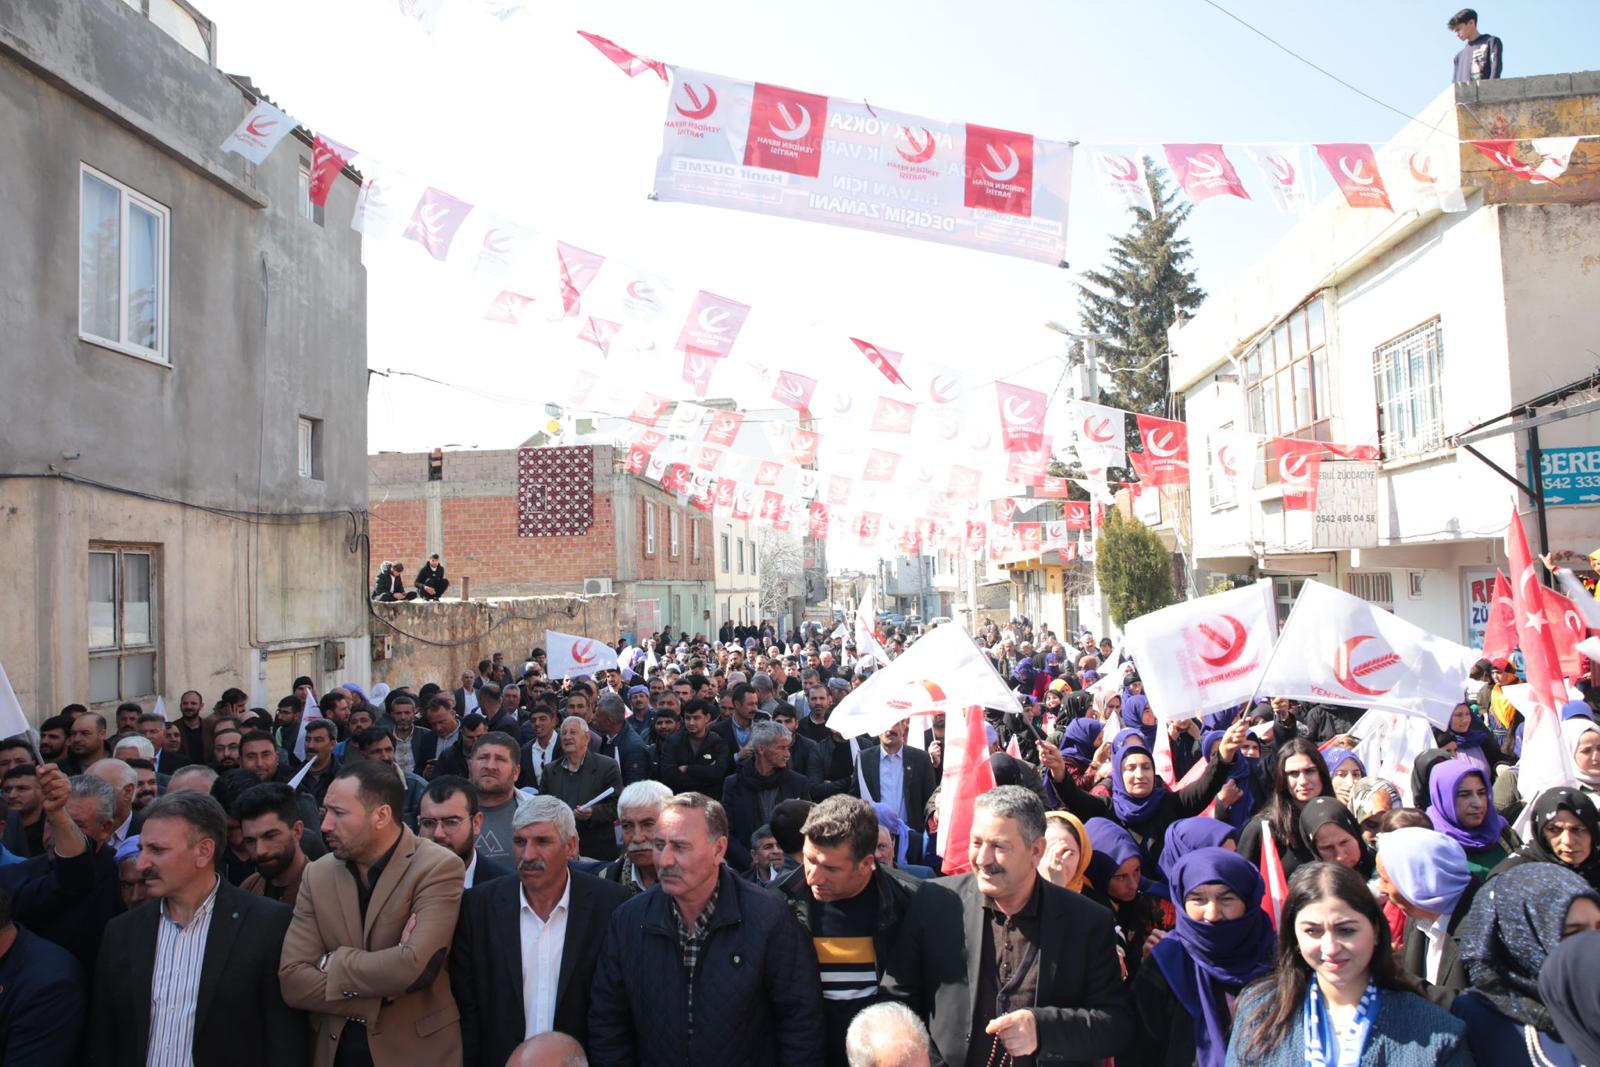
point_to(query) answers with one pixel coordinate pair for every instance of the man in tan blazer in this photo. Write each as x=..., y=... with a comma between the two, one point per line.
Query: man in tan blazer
x=365, y=954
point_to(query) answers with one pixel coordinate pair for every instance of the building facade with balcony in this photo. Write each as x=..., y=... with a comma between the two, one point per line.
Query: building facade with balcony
x=1403, y=332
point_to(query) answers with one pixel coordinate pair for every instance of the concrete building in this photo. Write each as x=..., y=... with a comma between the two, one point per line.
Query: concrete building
x=1406, y=331
x=182, y=493
x=737, y=585
x=638, y=542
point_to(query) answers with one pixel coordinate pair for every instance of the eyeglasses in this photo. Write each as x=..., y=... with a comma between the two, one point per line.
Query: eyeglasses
x=452, y=822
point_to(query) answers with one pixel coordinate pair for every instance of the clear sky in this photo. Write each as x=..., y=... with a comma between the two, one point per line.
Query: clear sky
x=524, y=116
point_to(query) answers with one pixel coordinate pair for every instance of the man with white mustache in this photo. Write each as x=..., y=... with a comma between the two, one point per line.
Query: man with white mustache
x=556, y=918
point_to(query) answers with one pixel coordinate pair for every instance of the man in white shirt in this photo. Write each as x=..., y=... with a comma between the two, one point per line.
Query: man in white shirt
x=553, y=916
x=125, y=780
x=902, y=779
x=544, y=749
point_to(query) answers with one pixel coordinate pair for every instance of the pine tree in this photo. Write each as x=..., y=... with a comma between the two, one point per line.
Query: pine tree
x=1139, y=294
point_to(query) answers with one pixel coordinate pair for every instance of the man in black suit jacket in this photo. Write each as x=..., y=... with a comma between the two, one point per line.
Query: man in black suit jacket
x=760, y=784
x=618, y=742
x=487, y=973
x=917, y=782
x=945, y=963
x=695, y=759
x=218, y=998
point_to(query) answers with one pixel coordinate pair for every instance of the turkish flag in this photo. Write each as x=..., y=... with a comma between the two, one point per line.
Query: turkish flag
x=1277, y=886
x=1021, y=416
x=967, y=776
x=328, y=158
x=1204, y=171
x=1546, y=759
x=1299, y=466
x=1166, y=450
x=1355, y=171
x=887, y=362
x=794, y=391
x=999, y=170
x=1567, y=628
x=578, y=269
x=630, y=63
x=1076, y=514
x=1500, y=635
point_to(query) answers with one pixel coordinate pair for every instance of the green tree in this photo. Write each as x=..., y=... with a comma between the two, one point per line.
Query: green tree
x=1134, y=568
x=1138, y=296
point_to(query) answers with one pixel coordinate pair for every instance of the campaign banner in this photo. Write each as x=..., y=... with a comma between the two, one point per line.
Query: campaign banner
x=775, y=151
x=1206, y=654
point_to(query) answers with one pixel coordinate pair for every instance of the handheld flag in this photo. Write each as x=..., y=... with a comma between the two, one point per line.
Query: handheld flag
x=573, y=656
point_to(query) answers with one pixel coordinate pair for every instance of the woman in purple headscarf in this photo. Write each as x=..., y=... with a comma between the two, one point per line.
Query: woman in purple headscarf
x=1241, y=797
x=1080, y=747
x=1140, y=801
x=1463, y=810
x=1221, y=941
x=1345, y=770
x=1116, y=881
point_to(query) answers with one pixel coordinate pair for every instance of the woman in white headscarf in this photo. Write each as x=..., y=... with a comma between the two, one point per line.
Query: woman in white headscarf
x=1583, y=741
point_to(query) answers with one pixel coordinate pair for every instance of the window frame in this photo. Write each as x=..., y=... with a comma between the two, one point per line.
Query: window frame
x=650, y=527
x=741, y=555
x=1268, y=378
x=674, y=533
x=727, y=553
x=1222, y=491
x=1394, y=410
x=120, y=650
x=694, y=540
x=305, y=206
x=308, y=447
x=126, y=197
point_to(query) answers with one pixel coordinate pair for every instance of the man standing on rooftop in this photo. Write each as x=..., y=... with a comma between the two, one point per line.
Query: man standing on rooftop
x=1479, y=57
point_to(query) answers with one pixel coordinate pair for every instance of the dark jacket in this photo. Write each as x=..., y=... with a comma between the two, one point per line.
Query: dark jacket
x=486, y=964
x=42, y=1005
x=424, y=748
x=240, y=1017
x=741, y=797
x=1452, y=972
x=388, y=584
x=918, y=780
x=167, y=762
x=1081, y=1007
x=16, y=834
x=1183, y=803
x=597, y=837
x=1408, y=1030
x=707, y=769
x=1163, y=1028
x=488, y=870
x=757, y=994
x=79, y=926
x=629, y=752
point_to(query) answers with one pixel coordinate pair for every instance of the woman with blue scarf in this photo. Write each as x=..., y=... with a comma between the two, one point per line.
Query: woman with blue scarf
x=1221, y=942
x=1140, y=800
x=1336, y=997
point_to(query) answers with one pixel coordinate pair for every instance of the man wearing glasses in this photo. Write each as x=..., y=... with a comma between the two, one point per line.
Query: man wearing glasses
x=449, y=816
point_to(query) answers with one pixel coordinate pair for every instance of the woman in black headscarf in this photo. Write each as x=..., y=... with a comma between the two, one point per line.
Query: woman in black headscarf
x=1569, y=985
x=1513, y=926
x=1330, y=833
x=1565, y=830
x=1422, y=773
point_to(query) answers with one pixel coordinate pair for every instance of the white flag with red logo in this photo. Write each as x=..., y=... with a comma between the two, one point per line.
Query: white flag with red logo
x=1389, y=744
x=259, y=133
x=887, y=362
x=328, y=158
x=712, y=325
x=578, y=269
x=435, y=221
x=1166, y=450
x=384, y=206
x=942, y=671
x=1287, y=173
x=1101, y=434
x=1021, y=416
x=1339, y=649
x=1355, y=171
x=571, y=655
x=1430, y=172
x=1120, y=175
x=794, y=391
x=1204, y=171
x=1204, y=655
x=630, y=63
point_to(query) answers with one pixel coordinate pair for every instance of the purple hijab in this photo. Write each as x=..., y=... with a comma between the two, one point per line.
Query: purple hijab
x=1113, y=846
x=1442, y=792
x=1078, y=740
x=1203, y=962
x=1132, y=810
x=1191, y=835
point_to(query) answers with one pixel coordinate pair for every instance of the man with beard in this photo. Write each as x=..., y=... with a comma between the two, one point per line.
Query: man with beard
x=637, y=811
x=191, y=728
x=270, y=828
x=354, y=955
x=695, y=759
x=86, y=743
x=495, y=764
x=761, y=783
x=555, y=916
x=450, y=816
x=150, y=983
x=315, y=779
x=225, y=750
x=149, y=786
x=53, y=738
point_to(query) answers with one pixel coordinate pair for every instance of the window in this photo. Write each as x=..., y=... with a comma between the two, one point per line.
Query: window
x=308, y=437
x=309, y=211
x=1284, y=591
x=752, y=557
x=649, y=528
x=1410, y=408
x=123, y=644
x=727, y=562
x=1287, y=393
x=1224, y=488
x=1375, y=587
x=694, y=540
x=122, y=268
x=741, y=555
x=674, y=529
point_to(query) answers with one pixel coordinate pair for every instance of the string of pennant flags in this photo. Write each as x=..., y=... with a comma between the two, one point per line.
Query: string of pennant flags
x=910, y=452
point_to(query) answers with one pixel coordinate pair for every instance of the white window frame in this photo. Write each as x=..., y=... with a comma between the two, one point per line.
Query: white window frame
x=129, y=195
x=308, y=447
x=311, y=212
x=1375, y=587
x=119, y=649
x=727, y=554
x=741, y=555
x=694, y=540
x=649, y=528
x=1411, y=421
x=674, y=533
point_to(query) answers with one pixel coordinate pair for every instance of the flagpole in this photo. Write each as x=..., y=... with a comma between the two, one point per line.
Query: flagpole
x=1277, y=642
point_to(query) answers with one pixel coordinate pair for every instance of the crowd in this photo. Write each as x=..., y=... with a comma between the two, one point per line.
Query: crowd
x=680, y=863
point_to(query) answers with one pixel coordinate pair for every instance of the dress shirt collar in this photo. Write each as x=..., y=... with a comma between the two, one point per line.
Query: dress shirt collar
x=562, y=906
x=199, y=913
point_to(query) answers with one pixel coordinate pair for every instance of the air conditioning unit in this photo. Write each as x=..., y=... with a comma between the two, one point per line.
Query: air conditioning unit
x=597, y=587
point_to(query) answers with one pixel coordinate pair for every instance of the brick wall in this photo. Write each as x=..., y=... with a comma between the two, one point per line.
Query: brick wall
x=661, y=564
